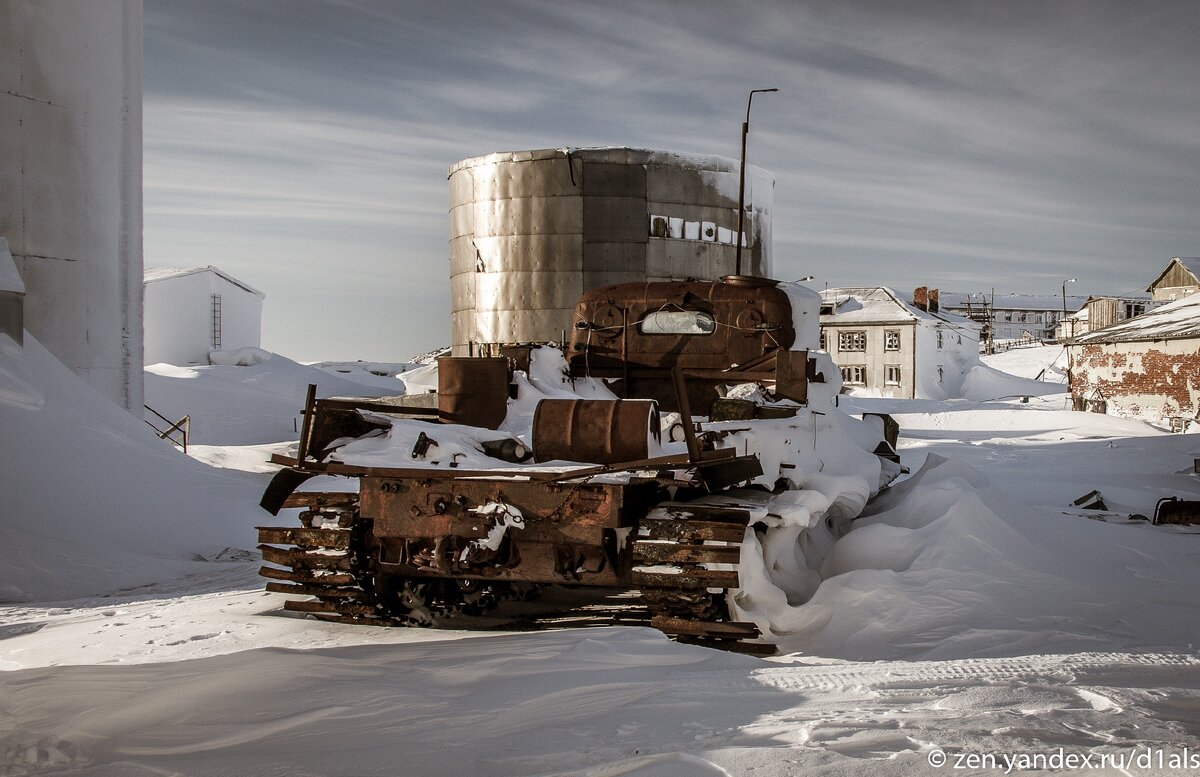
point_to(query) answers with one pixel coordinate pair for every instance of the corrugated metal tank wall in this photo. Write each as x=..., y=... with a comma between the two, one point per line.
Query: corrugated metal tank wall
x=532, y=230
x=71, y=181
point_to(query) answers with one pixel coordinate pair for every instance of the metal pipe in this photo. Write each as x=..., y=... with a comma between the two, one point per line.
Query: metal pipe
x=741, y=237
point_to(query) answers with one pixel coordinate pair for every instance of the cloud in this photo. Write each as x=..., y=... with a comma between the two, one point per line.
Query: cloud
x=1000, y=144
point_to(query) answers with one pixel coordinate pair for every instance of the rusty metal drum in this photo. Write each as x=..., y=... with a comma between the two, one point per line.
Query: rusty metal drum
x=473, y=390
x=600, y=431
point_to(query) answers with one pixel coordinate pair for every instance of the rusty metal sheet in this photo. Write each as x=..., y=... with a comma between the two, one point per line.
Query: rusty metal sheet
x=473, y=390
x=1177, y=511
x=572, y=512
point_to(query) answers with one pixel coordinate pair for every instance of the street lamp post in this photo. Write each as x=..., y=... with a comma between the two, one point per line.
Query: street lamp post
x=1064, y=316
x=737, y=266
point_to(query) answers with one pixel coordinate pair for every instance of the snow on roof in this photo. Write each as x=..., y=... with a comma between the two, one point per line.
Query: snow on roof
x=1173, y=321
x=878, y=305
x=615, y=155
x=10, y=278
x=153, y=274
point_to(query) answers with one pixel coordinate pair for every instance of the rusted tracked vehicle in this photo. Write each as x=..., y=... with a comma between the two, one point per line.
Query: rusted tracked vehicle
x=428, y=536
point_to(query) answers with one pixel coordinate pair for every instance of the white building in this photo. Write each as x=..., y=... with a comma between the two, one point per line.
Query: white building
x=71, y=181
x=189, y=312
x=886, y=346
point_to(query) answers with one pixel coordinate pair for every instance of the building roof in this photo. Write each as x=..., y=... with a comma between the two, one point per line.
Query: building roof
x=1189, y=263
x=880, y=305
x=154, y=274
x=1036, y=302
x=1173, y=321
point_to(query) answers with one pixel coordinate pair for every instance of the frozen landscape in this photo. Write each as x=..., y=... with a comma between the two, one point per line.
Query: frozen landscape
x=973, y=621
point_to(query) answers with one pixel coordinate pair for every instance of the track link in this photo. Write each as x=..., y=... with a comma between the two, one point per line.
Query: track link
x=685, y=559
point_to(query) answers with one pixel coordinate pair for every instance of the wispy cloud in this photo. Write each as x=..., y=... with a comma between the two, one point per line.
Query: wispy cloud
x=991, y=144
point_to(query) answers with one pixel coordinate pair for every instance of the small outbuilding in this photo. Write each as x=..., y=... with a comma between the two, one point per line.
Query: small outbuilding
x=189, y=312
x=887, y=346
x=1180, y=278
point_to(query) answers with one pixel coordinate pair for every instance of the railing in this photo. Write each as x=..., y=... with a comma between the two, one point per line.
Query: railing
x=180, y=428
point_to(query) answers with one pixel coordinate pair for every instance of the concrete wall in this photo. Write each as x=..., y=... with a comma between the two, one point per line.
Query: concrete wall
x=1151, y=381
x=179, y=318
x=70, y=181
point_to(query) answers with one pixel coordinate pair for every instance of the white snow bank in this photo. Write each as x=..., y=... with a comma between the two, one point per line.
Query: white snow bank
x=948, y=565
x=93, y=500
x=250, y=396
x=983, y=383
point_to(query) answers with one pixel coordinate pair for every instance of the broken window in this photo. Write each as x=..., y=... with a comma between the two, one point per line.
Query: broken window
x=891, y=340
x=677, y=322
x=854, y=375
x=852, y=341
x=940, y=339
x=891, y=375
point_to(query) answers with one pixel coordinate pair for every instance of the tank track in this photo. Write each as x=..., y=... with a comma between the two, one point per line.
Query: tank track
x=685, y=559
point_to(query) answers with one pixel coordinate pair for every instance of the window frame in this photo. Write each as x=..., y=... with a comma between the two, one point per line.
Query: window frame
x=848, y=370
x=858, y=336
x=696, y=316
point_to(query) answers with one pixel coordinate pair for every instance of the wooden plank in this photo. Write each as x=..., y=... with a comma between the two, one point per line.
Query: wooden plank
x=332, y=539
x=308, y=576
x=671, y=553
x=691, y=530
x=298, y=559
x=342, y=608
x=727, y=629
x=691, y=578
x=732, y=646
x=322, y=499
x=324, y=591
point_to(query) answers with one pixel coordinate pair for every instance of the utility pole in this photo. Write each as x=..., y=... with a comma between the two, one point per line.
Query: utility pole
x=737, y=265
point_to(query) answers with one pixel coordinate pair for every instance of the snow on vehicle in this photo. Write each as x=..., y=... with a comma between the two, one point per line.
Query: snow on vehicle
x=685, y=448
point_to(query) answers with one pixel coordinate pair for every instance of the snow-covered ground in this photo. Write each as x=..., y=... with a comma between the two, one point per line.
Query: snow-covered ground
x=973, y=614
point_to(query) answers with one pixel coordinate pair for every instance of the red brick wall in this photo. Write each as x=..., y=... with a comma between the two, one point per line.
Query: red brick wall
x=1140, y=380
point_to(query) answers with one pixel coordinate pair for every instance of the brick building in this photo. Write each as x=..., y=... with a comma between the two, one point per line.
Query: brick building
x=1146, y=367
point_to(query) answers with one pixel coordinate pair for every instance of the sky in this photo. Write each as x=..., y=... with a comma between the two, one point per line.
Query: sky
x=303, y=146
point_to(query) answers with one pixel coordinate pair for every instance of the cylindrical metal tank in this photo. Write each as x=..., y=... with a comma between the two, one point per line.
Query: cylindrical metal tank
x=71, y=182
x=473, y=390
x=530, y=231
x=600, y=431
